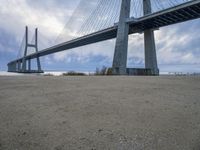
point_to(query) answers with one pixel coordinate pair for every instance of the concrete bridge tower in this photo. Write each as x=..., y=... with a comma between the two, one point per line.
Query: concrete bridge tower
x=20, y=65
x=149, y=43
x=121, y=46
x=24, y=68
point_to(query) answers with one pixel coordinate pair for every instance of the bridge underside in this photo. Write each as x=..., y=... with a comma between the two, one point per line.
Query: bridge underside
x=181, y=13
x=178, y=14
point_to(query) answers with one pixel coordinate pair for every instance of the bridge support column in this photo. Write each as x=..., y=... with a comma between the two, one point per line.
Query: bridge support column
x=29, y=65
x=121, y=46
x=12, y=67
x=24, y=66
x=25, y=52
x=36, y=48
x=24, y=60
x=149, y=44
x=150, y=52
x=9, y=67
x=18, y=66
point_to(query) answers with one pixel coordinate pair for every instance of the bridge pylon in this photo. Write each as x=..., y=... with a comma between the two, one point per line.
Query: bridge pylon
x=149, y=44
x=121, y=46
x=20, y=66
x=24, y=68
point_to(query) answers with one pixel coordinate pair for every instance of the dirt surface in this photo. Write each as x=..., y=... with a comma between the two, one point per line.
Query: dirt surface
x=99, y=113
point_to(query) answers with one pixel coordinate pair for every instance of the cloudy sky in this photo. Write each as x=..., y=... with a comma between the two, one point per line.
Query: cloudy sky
x=178, y=46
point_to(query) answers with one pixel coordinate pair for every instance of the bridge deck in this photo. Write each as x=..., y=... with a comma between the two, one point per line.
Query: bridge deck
x=180, y=13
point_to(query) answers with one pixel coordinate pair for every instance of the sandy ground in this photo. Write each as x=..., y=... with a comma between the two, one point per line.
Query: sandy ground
x=99, y=113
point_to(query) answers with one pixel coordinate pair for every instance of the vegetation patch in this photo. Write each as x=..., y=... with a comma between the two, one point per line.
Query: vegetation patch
x=73, y=73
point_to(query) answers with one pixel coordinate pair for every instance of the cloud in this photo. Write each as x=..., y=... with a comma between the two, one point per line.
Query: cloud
x=50, y=16
x=178, y=44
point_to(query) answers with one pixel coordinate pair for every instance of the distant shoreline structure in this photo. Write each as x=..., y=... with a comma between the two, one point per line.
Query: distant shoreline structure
x=60, y=73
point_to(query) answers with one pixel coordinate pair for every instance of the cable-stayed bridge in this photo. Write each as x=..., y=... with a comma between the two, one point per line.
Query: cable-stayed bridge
x=123, y=17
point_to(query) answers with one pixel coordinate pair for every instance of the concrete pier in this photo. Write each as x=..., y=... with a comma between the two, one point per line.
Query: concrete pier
x=121, y=47
x=149, y=44
x=29, y=65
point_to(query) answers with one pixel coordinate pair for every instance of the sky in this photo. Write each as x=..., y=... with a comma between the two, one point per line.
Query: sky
x=178, y=46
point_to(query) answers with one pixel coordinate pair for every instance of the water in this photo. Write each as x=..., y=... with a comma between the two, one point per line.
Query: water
x=55, y=73
x=4, y=73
